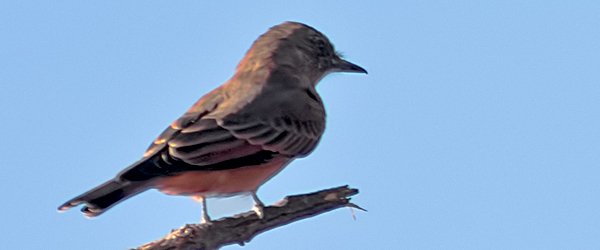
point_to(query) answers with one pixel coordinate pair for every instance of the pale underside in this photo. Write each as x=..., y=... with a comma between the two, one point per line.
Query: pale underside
x=222, y=183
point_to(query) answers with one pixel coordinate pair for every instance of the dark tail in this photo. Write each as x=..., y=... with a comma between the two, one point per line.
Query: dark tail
x=103, y=197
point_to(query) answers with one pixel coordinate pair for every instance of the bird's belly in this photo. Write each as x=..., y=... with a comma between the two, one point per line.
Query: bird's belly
x=221, y=182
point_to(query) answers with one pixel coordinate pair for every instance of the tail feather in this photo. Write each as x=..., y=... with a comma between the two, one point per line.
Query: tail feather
x=104, y=196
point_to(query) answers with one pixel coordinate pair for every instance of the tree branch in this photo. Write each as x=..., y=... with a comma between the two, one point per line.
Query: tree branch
x=243, y=227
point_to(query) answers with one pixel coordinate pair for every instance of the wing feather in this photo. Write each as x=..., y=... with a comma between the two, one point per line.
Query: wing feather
x=285, y=135
x=203, y=140
x=194, y=137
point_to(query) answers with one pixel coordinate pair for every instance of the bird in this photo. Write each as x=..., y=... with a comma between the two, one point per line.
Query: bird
x=242, y=133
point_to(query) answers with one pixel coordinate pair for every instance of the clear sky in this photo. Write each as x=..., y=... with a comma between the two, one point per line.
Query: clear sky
x=477, y=127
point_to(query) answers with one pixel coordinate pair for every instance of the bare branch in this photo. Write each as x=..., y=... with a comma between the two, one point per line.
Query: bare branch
x=243, y=227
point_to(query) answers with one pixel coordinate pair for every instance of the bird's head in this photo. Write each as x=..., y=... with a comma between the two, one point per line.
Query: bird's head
x=298, y=49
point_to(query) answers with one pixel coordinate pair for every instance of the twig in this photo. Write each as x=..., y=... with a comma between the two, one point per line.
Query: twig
x=243, y=227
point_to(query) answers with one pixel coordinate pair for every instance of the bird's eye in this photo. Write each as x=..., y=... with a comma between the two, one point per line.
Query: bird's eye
x=322, y=48
x=321, y=44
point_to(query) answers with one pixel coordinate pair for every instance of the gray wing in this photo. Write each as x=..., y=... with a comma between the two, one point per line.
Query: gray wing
x=199, y=141
x=286, y=120
x=283, y=134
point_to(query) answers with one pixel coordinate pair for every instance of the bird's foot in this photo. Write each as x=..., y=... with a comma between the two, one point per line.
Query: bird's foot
x=259, y=206
x=205, y=219
x=259, y=209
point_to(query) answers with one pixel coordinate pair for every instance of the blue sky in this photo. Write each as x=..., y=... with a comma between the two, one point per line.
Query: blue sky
x=476, y=128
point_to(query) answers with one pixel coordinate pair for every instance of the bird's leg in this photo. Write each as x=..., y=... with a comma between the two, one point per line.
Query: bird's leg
x=205, y=218
x=258, y=206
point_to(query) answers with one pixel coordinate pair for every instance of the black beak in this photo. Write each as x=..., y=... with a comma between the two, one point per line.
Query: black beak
x=342, y=65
